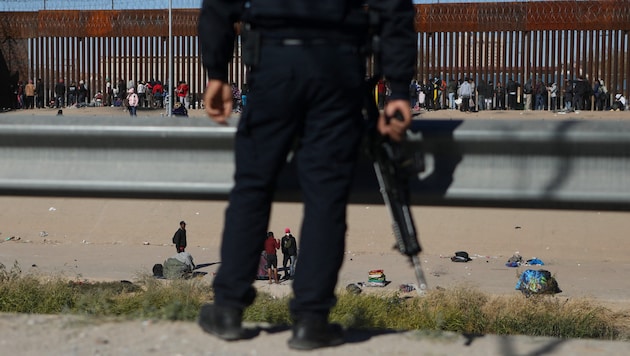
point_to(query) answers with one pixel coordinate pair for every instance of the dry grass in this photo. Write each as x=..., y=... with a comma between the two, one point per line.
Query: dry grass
x=462, y=310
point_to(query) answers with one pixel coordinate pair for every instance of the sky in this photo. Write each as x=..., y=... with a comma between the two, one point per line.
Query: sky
x=34, y=5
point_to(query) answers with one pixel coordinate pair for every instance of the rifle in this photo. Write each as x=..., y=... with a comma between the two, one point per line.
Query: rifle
x=394, y=164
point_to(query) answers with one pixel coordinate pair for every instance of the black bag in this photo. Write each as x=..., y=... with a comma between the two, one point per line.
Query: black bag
x=158, y=270
x=461, y=256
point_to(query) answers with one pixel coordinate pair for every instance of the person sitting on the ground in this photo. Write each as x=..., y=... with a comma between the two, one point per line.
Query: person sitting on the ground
x=179, y=266
x=620, y=102
x=98, y=99
x=180, y=110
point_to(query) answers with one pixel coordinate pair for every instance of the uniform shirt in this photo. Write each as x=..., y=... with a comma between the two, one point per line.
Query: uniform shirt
x=217, y=33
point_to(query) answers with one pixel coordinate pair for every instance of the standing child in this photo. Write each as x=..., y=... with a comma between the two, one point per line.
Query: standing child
x=132, y=100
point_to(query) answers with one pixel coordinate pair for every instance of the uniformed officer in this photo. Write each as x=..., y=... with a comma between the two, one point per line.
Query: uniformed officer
x=306, y=78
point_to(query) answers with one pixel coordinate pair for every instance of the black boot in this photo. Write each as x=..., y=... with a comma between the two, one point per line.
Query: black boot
x=315, y=332
x=223, y=322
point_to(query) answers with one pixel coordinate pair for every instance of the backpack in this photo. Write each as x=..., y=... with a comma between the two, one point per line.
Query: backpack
x=158, y=270
x=537, y=282
x=174, y=236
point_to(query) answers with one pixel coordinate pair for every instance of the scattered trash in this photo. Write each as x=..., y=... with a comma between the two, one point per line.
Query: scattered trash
x=43, y=234
x=406, y=288
x=354, y=288
x=537, y=282
x=534, y=262
x=376, y=284
x=514, y=261
x=146, y=243
x=52, y=208
x=461, y=256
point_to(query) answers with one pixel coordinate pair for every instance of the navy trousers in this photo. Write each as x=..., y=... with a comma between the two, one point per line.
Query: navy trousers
x=312, y=96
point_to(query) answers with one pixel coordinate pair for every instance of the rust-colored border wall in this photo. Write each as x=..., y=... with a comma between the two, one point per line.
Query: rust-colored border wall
x=524, y=16
x=551, y=41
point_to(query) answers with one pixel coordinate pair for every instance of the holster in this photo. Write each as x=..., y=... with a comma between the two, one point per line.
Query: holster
x=252, y=41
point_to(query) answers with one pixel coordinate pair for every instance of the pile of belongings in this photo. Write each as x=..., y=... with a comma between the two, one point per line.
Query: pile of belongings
x=376, y=278
x=354, y=288
x=514, y=261
x=180, y=266
x=262, y=273
x=537, y=282
x=406, y=288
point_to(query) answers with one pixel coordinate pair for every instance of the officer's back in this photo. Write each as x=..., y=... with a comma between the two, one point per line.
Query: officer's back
x=306, y=82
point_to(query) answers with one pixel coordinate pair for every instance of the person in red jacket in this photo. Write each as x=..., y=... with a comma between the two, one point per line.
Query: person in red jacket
x=271, y=245
x=182, y=93
x=158, y=93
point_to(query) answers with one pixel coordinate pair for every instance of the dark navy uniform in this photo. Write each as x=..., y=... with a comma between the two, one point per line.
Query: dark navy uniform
x=307, y=72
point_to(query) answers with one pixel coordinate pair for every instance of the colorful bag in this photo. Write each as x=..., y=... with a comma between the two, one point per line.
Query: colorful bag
x=537, y=282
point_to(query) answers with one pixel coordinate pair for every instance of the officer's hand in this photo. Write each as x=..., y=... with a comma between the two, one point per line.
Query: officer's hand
x=393, y=128
x=218, y=101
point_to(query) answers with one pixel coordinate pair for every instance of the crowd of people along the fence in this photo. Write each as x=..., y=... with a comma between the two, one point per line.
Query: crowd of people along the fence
x=469, y=95
x=70, y=93
x=430, y=94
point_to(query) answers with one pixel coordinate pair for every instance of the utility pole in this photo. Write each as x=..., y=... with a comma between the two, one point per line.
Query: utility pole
x=170, y=58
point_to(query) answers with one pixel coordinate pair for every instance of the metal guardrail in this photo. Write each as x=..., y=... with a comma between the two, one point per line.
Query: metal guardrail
x=539, y=164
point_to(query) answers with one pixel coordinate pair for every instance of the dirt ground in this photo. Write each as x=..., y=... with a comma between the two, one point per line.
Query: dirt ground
x=118, y=239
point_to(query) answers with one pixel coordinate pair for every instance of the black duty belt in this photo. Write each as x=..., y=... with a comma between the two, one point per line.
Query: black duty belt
x=295, y=41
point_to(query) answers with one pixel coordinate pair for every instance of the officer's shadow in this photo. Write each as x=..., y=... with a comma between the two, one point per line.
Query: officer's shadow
x=202, y=265
x=351, y=336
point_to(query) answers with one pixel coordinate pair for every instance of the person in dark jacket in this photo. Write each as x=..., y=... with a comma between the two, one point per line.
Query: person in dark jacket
x=289, y=253
x=179, y=238
x=581, y=92
x=39, y=93
x=60, y=94
x=512, y=91
x=312, y=53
